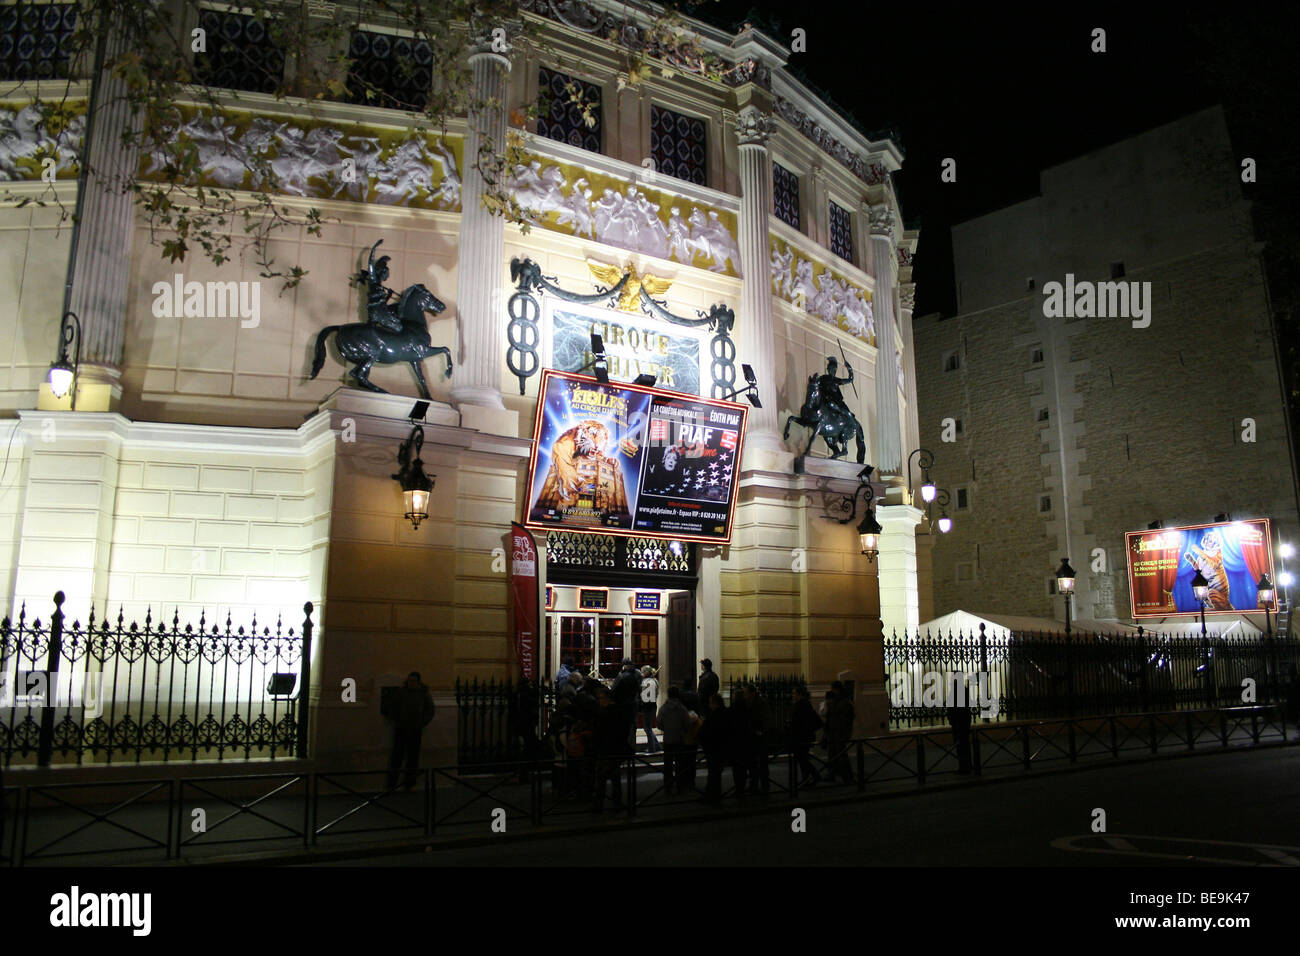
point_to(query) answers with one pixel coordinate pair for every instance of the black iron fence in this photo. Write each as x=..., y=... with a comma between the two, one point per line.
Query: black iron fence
x=777, y=692
x=1031, y=675
x=107, y=692
x=154, y=819
x=499, y=720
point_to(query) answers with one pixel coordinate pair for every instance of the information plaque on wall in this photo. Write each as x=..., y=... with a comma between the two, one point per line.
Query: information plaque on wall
x=593, y=599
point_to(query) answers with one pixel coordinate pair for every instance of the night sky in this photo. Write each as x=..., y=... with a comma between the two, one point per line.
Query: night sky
x=1007, y=92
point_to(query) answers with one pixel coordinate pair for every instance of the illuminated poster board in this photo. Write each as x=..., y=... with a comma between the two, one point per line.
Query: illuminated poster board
x=626, y=459
x=1232, y=555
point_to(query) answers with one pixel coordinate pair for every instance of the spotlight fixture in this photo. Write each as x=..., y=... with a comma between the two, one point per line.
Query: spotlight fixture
x=645, y=380
x=63, y=374
x=1155, y=525
x=1222, y=517
x=415, y=484
x=750, y=391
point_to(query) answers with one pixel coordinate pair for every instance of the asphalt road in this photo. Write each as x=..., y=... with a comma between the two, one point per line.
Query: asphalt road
x=1239, y=809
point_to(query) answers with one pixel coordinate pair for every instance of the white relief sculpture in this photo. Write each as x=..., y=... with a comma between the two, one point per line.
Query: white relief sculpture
x=404, y=174
x=680, y=245
x=651, y=234
x=448, y=192
x=524, y=184
x=24, y=135
x=802, y=289
x=608, y=219
x=365, y=167
x=575, y=209
x=780, y=271
x=716, y=238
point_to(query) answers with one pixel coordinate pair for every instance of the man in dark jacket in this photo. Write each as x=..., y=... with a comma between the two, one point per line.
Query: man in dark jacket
x=715, y=739
x=959, y=720
x=693, y=701
x=839, y=730
x=759, y=725
x=409, y=710
x=611, y=748
x=627, y=694
x=804, y=724
x=740, y=739
x=709, y=683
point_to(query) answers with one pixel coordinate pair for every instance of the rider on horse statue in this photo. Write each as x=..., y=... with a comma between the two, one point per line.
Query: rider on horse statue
x=379, y=312
x=829, y=386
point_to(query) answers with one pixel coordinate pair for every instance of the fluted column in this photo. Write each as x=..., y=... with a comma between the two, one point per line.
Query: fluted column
x=100, y=260
x=889, y=453
x=906, y=304
x=477, y=379
x=753, y=128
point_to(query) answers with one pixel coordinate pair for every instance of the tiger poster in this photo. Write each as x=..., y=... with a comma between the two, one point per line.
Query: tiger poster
x=631, y=459
x=588, y=454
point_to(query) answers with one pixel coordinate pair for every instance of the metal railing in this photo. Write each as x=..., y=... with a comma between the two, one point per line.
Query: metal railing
x=1028, y=675
x=139, y=820
x=112, y=691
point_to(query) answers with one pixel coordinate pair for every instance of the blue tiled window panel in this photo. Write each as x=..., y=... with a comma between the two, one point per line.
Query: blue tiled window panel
x=240, y=54
x=679, y=145
x=397, y=70
x=561, y=119
x=785, y=193
x=841, y=234
x=36, y=40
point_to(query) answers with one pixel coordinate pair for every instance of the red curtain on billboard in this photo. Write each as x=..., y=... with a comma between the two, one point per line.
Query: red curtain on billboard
x=1256, y=555
x=523, y=590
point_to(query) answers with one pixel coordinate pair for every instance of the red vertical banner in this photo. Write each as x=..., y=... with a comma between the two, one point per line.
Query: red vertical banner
x=523, y=589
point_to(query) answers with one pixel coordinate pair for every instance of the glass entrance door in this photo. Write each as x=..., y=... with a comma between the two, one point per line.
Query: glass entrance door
x=613, y=635
x=576, y=640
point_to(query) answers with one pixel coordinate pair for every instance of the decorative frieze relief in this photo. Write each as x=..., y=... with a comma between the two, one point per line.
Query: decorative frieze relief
x=35, y=132
x=820, y=292
x=321, y=161
x=625, y=215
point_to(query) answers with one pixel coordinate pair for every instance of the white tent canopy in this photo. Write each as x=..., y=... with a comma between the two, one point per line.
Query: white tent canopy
x=968, y=623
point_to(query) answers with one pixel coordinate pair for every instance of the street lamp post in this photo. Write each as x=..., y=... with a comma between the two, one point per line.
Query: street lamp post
x=869, y=529
x=1201, y=589
x=942, y=498
x=925, y=458
x=1065, y=585
x=1266, y=600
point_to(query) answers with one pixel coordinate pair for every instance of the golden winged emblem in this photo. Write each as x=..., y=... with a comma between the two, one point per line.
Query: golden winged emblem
x=629, y=300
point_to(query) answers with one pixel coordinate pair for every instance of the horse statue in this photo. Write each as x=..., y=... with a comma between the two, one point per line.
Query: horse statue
x=828, y=418
x=393, y=333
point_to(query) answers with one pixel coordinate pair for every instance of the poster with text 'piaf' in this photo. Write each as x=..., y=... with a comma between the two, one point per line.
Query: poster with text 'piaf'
x=627, y=459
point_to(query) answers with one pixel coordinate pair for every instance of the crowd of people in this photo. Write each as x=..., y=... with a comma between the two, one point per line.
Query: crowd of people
x=593, y=731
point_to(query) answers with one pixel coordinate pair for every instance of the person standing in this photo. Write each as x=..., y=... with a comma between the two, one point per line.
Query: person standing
x=562, y=675
x=839, y=730
x=740, y=739
x=627, y=691
x=804, y=724
x=714, y=738
x=409, y=710
x=759, y=725
x=709, y=683
x=959, y=719
x=611, y=749
x=649, y=706
x=674, y=721
x=691, y=700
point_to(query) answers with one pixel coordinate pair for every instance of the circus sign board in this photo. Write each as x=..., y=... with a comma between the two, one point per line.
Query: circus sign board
x=1231, y=555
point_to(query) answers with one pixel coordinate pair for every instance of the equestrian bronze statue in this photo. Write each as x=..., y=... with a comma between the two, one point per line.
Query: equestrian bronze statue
x=393, y=332
x=826, y=413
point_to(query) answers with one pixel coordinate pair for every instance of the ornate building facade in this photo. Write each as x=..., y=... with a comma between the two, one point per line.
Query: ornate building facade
x=699, y=224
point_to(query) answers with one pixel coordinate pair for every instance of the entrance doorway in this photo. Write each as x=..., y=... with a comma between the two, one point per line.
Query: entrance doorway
x=599, y=627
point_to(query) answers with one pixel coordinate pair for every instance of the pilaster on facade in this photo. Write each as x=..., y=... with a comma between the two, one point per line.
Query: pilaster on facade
x=884, y=265
x=482, y=237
